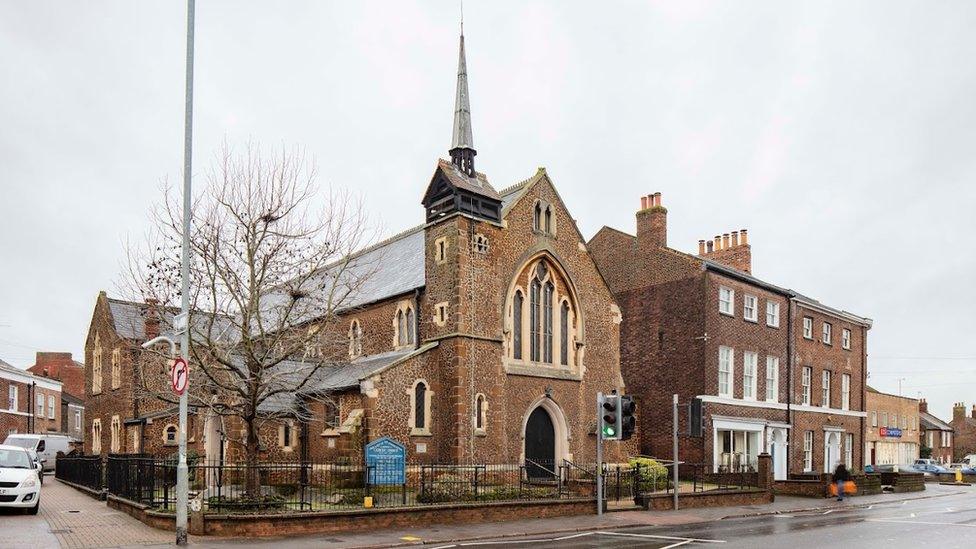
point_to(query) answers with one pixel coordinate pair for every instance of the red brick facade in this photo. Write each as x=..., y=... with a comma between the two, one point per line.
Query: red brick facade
x=684, y=316
x=964, y=431
x=30, y=404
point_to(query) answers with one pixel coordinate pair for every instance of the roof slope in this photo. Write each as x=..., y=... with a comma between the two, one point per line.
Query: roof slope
x=930, y=422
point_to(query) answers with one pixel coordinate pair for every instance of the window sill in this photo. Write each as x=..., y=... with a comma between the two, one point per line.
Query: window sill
x=415, y=432
x=723, y=313
x=752, y=320
x=480, y=433
x=535, y=369
x=774, y=326
x=332, y=432
x=174, y=443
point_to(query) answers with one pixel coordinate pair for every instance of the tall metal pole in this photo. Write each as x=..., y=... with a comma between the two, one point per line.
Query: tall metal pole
x=182, y=488
x=674, y=435
x=599, y=454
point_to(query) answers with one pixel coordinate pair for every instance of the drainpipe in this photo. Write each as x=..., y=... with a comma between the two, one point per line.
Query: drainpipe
x=789, y=382
x=864, y=385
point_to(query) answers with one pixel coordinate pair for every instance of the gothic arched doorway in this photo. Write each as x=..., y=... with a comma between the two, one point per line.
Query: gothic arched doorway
x=540, y=444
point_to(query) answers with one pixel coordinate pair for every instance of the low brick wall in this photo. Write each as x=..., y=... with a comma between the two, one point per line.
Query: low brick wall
x=868, y=484
x=724, y=498
x=802, y=488
x=951, y=477
x=904, y=482
x=284, y=524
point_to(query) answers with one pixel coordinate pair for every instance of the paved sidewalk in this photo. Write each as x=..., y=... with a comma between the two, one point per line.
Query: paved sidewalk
x=79, y=521
x=540, y=527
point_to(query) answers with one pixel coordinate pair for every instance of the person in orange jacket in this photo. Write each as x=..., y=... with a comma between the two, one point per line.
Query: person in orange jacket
x=840, y=478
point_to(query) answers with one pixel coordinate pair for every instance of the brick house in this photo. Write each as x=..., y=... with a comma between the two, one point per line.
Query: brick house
x=934, y=434
x=705, y=328
x=893, y=432
x=71, y=374
x=482, y=335
x=964, y=431
x=33, y=403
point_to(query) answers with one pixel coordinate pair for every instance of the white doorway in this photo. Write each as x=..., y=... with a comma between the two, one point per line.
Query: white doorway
x=831, y=450
x=778, y=451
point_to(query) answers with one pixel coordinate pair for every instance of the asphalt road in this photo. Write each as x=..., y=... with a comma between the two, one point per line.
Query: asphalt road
x=945, y=522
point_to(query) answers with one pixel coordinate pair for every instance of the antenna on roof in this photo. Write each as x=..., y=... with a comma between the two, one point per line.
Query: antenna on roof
x=462, y=17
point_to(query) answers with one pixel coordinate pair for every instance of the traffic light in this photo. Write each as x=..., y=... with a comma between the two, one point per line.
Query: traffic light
x=610, y=417
x=628, y=419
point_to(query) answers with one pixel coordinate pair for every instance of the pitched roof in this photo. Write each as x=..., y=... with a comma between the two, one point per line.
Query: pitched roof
x=478, y=184
x=928, y=421
x=338, y=377
x=129, y=320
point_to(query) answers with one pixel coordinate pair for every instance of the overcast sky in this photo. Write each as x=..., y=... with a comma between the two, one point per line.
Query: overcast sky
x=841, y=134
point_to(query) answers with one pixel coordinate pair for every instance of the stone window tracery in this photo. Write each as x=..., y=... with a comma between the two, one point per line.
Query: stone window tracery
x=116, y=368
x=404, y=326
x=539, y=335
x=480, y=413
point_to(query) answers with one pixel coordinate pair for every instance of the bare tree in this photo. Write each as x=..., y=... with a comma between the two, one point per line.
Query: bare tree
x=273, y=264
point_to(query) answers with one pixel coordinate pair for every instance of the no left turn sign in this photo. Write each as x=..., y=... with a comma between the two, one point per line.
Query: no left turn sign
x=179, y=376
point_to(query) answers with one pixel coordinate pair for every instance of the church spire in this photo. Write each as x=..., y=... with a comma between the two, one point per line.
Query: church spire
x=462, y=144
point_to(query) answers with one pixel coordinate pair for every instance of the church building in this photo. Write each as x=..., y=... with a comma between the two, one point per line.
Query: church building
x=483, y=335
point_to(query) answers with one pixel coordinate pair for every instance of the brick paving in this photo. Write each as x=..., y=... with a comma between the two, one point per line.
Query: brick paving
x=79, y=521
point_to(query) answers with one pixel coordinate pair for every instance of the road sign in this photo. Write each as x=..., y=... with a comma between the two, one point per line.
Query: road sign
x=179, y=376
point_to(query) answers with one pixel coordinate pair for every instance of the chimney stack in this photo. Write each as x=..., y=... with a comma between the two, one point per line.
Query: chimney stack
x=730, y=249
x=974, y=411
x=958, y=411
x=923, y=406
x=652, y=223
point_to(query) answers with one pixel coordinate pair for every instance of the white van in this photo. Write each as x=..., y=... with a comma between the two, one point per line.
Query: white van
x=46, y=446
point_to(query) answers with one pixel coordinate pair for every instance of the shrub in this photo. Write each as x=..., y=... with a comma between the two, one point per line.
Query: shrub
x=651, y=474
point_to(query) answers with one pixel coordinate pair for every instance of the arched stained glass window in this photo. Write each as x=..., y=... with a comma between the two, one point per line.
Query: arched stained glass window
x=517, y=325
x=564, y=334
x=547, y=323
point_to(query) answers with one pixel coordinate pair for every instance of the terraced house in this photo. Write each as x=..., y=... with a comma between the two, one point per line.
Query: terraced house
x=483, y=334
x=703, y=327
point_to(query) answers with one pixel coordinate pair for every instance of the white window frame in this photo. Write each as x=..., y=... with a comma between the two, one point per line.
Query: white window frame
x=825, y=388
x=13, y=398
x=726, y=368
x=726, y=307
x=750, y=314
x=806, y=379
x=874, y=418
x=827, y=333
x=893, y=418
x=772, y=379
x=78, y=420
x=845, y=338
x=39, y=401
x=50, y=406
x=849, y=450
x=808, y=327
x=807, y=451
x=772, y=314
x=845, y=392
x=884, y=419
x=750, y=361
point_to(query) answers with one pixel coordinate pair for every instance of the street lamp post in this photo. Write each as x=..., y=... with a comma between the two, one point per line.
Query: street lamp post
x=182, y=488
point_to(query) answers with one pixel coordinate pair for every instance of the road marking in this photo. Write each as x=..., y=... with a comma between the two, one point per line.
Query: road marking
x=651, y=536
x=680, y=543
x=923, y=522
x=411, y=538
x=783, y=516
x=870, y=507
x=582, y=534
x=828, y=512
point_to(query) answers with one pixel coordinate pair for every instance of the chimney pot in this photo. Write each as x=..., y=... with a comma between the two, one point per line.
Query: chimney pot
x=657, y=199
x=735, y=238
x=709, y=246
x=701, y=247
x=643, y=202
x=745, y=236
x=725, y=241
x=718, y=242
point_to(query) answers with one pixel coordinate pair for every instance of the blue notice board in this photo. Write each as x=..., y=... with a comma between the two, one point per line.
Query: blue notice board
x=386, y=462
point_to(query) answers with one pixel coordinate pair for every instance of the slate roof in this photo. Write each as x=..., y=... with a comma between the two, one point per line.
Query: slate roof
x=338, y=377
x=930, y=422
x=477, y=185
x=7, y=366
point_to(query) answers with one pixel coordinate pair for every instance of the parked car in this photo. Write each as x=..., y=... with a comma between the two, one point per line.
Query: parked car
x=46, y=446
x=929, y=466
x=38, y=464
x=20, y=486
